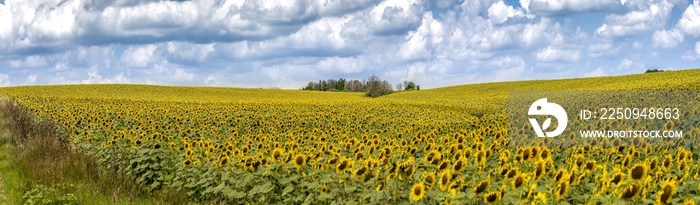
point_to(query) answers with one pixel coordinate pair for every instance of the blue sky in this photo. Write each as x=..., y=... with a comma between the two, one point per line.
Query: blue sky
x=285, y=44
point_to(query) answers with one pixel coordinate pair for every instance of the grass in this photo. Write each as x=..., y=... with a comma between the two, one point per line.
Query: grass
x=38, y=166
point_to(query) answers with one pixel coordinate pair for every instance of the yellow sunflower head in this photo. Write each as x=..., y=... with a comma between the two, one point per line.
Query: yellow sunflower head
x=519, y=180
x=445, y=178
x=667, y=190
x=299, y=161
x=638, y=171
x=562, y=190
x=630, y=191
x=417, y=191
x=492, y=197
x=481, y=186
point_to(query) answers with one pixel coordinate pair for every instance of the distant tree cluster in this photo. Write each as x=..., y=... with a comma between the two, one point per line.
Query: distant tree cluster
x=373, y=86
x=407, y=85
x=653, y=71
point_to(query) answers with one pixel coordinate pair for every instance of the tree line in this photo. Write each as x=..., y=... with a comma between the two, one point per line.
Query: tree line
x=373, y=86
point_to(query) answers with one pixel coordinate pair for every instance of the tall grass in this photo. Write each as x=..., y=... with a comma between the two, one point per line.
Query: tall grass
x=53, y=171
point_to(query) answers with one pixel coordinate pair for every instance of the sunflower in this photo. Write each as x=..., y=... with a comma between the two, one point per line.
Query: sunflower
x=519, y=180
x=541, y=197
x=324, y=188
x=224, y=161
x=187, y=163
x=653, y=164
x=560, y=175
x=638, y=171
x=343, y=165
x=668, y=188
x=590, y=165
x=299, y=161
x=444, y=165
x=492, y=197
x=688, y=201
x=459, y=165
x=617, y=177
x=417, y=191
x=359, y=172
x=482, y=186
x=445, y=177
x=539, y=168
x=562, y=190
x=277, y=154
x=666, y=164
x=429, y=178
x=630, y=191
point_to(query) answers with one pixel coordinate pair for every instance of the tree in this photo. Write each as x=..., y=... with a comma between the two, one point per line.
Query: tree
x=340, y=84
x=410, y=86
x=376, y=87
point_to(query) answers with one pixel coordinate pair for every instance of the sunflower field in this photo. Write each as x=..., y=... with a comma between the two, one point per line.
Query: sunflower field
x=435, y=146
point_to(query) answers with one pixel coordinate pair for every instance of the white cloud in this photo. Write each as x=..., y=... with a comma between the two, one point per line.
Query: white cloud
x=31, y=61
x=667, y=39
x=625, y=64
x=550, y=54
x=651, y=17
x=605, y=49
x=419, y=42
x=637, y=45
x=561, y=6
x=4, y=80
x=692, y=55
x=534, y=34
x=139, y=56
x=343, y=65
x=392, y=16
x=689, y=23
x=189, y=51
x=507, y=68
x=287, y=43
x=30, y=79
x=32, y=24
x=600, y=71
x=499, y=12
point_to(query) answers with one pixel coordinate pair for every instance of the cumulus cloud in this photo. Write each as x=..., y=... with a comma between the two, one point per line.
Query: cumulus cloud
x=33, y=24
x=667, y=39
x=30, y=79
x=600, y=71
x=287, y=43
x=692, y=55
x=604, y=49
x=499, y=12
x=689, y=23
x=4, y=80
x=650, y=17
x=567, y=6
x=549, y=54
x=139, y=56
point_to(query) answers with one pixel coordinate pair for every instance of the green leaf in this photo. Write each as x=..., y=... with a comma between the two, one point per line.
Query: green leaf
x=350, y=189
x=201, y=182
x=309, y=199
x=325, y=196
x=219, y=188
x=288, y=189
x=266, y=188
x=154, y=185
x=311, y=185
x=236, y=194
